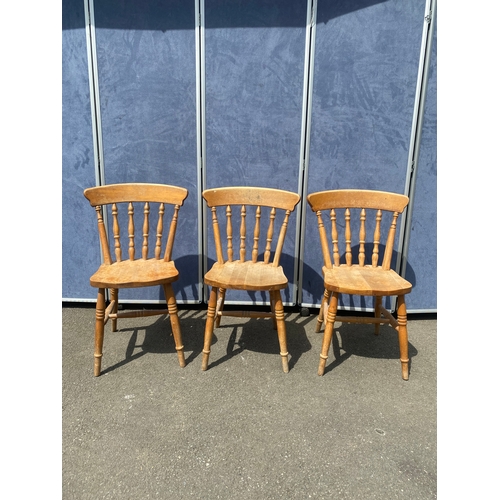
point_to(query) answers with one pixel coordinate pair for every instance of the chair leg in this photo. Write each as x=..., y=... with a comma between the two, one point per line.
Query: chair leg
x=174, y=322
x=99, y=330
x=220, y=306
x=328, y=334
x=324, y=305
x=279, y=313
x=403, y=336
x=378, y=313
x=273, y=310
x=114, y=321
x=209, y=327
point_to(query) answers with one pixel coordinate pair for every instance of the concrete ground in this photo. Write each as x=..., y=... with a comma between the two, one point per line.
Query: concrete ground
x=243, y=429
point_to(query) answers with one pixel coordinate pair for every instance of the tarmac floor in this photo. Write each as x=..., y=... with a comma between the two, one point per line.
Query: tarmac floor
x=243, y=429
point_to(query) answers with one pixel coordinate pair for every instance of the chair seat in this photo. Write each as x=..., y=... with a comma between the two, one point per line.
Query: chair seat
x=366, y=280
x=134, y=273
x=246, y=275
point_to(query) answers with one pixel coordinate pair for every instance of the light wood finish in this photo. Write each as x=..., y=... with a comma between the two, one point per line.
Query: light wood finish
x=251, y=260
x=336, y=211
x=140, y=269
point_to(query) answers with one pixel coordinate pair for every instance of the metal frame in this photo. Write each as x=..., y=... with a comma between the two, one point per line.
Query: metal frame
x=310, y=42
x=416, y=135
x=305, y=139
x=95, y=103
x=201, y=141
x=201, y=145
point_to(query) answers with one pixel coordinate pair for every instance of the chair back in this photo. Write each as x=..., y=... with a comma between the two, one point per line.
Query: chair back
x=363, y=210
x=148, y=201
x=261, y=204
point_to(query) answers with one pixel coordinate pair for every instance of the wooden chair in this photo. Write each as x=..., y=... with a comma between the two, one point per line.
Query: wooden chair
x=255, y=272
x=141, y=271
x=366, y=279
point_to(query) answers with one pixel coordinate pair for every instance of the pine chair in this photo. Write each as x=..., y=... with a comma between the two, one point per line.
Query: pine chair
x=258, y=272
x=135, y=272
x=347, y=277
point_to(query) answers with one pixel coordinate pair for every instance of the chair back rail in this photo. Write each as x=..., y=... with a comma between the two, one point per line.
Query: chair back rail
x=103, y=195
x=129, y=195
x=245, y=197
x=351, y=201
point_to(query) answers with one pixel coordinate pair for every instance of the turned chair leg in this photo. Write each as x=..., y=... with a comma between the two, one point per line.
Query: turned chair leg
x=328, y=334
x=114, y=321
x=99, y=330
x=281, y=327
x=209, y=327
x=273, y=310
x=378, y=313
x=220, y=306
x=323, y=307
x=403, y=337
x=174, y=322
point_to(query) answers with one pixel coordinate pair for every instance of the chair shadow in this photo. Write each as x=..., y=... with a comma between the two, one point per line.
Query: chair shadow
x=351, y=339
x=258, y=334
x=158, y=339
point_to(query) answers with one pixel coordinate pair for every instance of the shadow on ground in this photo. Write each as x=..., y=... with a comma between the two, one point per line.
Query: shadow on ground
x=257, y=335
x=360, y=340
